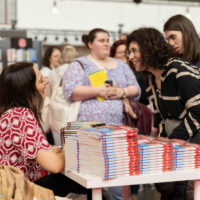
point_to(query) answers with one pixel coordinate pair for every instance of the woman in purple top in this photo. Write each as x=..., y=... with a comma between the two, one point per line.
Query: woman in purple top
x=76, y=84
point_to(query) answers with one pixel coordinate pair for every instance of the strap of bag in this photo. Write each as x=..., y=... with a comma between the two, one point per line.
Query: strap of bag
x=82, y=66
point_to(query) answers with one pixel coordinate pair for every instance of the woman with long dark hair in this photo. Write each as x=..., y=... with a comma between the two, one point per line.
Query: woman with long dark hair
x=50, y=60
x=23, y=144
x=183, y=38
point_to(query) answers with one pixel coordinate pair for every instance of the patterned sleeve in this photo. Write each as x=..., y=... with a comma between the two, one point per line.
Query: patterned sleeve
x=26, y=134
x=188, y=84
x=73, y=76
x=131, y=79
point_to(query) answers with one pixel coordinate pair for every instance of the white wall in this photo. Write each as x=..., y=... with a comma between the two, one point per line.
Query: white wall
x=86, y=15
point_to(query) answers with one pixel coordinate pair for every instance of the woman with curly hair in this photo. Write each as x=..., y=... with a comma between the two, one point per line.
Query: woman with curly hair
x=174, y=89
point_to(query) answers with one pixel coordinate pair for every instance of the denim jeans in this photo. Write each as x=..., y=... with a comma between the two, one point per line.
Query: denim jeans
x=116, y=193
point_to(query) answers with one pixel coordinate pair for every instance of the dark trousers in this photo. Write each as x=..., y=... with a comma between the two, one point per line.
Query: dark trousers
x=62, y=185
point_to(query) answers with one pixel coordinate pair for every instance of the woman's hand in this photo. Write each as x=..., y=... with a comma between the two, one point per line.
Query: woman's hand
x=115, y=93
x=104, y=91
x=52, y=160
x=57, y=149
x=129, y=109
x=154, y=132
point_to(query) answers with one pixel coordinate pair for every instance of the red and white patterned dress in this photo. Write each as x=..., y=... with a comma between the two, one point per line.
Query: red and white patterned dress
x=21, y=139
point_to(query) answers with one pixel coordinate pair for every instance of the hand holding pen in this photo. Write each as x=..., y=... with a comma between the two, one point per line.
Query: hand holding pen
x=58, y=149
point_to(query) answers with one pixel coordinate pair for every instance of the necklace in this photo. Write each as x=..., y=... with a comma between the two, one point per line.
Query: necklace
x=104, y=64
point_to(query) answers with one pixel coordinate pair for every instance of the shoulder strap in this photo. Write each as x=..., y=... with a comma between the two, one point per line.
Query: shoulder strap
x=82, y=66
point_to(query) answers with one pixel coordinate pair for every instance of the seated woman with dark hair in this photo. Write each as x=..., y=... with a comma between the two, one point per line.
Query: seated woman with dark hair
x=23, y=144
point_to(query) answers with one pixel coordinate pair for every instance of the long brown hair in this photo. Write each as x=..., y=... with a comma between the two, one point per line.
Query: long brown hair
x=191, y=41
x=47, y=55
x=18, y=89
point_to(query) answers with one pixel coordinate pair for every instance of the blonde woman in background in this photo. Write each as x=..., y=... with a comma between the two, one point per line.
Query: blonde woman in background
x=69, y=53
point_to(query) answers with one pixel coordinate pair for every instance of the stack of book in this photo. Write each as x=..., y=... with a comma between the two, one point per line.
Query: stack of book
x=72, y=153
x=108, y=151
x=155, y=156
x=185, y=155
x=73, y=127
x=113, y=151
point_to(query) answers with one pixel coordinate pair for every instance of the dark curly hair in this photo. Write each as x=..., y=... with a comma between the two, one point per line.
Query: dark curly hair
x=191, y=41
x=115, y=45
x=155, y=51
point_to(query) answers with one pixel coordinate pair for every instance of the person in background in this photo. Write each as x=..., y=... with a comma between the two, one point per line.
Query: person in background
x=76, y=85
x=123, y=36
x=118, y=50
x=183, y=38
x=51, y=60
x=174, y=88
x=69, y=53
x=23, y=144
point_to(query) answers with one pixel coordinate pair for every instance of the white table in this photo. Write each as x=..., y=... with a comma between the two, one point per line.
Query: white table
x=96, y=183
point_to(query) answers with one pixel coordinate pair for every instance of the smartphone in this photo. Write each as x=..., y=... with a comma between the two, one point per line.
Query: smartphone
x=110, y=82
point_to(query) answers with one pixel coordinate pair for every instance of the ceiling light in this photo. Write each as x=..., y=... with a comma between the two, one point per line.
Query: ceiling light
x=55, y=7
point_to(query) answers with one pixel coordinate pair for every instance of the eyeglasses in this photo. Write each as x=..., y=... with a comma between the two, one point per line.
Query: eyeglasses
x=121, y=52
x=133, y=50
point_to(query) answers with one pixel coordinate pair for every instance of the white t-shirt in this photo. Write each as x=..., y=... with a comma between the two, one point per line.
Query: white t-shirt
x=56, y=75
x=45, y=71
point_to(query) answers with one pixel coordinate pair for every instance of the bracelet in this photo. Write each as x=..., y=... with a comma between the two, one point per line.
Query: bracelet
x=124, y=95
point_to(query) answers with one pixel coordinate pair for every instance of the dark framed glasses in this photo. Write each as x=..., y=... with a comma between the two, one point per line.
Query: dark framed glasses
x=132, y=50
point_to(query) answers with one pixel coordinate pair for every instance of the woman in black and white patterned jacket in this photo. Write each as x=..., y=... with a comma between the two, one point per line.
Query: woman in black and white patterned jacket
x=173, y=88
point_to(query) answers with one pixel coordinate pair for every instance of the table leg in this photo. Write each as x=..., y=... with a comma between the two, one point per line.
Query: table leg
x=196, y=189
x=96, y=194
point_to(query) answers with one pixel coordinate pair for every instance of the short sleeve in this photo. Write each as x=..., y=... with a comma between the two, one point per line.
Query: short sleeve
x=26, y=135
x=73, y=76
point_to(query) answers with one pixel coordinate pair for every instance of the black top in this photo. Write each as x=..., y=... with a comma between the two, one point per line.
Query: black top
x=179, y=98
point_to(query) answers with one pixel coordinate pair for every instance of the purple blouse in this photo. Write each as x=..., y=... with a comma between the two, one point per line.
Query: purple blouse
x=106, y=111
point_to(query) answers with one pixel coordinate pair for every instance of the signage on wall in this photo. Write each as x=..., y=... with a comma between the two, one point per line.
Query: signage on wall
x=24, y=43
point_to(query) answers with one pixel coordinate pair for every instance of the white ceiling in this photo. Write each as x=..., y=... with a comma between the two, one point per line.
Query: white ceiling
x=157, y=2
